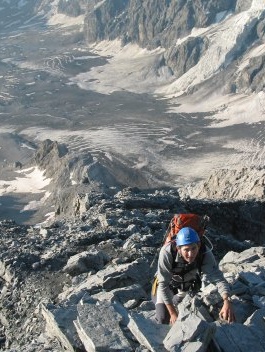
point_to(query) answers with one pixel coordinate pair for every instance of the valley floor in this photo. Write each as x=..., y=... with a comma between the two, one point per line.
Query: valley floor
x=43, y=96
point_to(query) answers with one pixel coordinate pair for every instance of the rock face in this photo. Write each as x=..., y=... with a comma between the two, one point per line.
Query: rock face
x=76, y=177
x=230, y=184
x=72, y=8
x=154, y=24
x=64, y=284
x=80, y=183
x=228, y=32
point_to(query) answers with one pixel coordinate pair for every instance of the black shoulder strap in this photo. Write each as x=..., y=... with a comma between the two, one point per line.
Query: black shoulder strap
x=201, y=256
x=173, y=250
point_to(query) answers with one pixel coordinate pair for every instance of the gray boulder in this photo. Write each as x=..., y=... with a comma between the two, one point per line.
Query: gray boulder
x=85, y=262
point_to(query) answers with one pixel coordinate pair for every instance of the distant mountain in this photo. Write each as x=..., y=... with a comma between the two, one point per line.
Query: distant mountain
x=207, y=46
x=217, y=44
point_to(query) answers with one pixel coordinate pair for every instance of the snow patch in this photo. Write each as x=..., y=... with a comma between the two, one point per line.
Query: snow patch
x=84, y=58
x=99, y=4
x=32, y=180
x=72, y=179
x=65, y=21
x=258, y=5
x=220, y=16
x=129, y=68
x=55, y=18
x=221, y=43
x=226, y=110
x=24, y=145
x=35, y=204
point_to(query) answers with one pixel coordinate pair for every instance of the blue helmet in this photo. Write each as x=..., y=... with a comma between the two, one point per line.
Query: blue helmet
x=187, y=236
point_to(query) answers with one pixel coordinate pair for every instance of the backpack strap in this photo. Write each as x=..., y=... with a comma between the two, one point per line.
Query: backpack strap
x=196, y=284
x=201, y=256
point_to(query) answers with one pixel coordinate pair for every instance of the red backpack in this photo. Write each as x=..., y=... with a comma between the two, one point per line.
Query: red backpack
x=196, y=222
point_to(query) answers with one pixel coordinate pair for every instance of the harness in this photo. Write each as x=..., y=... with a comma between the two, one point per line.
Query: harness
x=180, y=268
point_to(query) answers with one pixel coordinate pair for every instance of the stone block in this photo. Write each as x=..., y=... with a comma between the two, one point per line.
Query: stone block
x=258, y=289
x=148, y=332
x=250, y=278
x=190, y=333
x=230, y=257
x=242, y=309
x=85, y=261
x=259, y=301
x=237, y=338
x=256, y=323
x=238, y=288
x=98, y=327
x=123, y=295
x=112, y=277
x=59, y=324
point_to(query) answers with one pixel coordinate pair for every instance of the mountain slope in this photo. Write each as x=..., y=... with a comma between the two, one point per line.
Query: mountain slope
x=207, y=49
x=201, y=39
x=219, y=44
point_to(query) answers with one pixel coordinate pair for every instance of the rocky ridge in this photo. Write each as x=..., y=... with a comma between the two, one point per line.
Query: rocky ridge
x=97, y=259
x=64, y=283
x=77, y=182
x=230, y=184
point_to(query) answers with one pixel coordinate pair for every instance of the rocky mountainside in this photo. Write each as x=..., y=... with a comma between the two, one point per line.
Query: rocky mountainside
x=76, y=179
x=238, y=184
x=64, y=283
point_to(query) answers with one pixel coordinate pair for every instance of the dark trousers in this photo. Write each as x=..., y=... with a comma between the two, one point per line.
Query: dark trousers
x=162, y=314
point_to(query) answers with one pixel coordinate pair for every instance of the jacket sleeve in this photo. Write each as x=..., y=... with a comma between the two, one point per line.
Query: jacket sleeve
x=164, y=275
x=213, y=274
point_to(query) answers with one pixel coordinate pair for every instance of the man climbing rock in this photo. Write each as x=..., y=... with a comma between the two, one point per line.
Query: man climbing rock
x=180, y=266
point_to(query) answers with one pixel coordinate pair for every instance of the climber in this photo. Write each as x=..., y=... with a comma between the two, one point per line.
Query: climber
x=180, y=266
